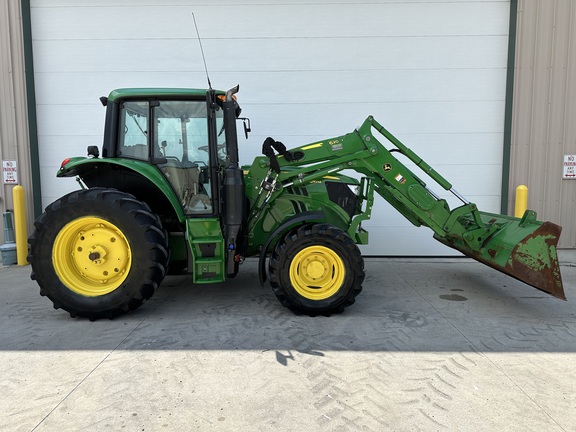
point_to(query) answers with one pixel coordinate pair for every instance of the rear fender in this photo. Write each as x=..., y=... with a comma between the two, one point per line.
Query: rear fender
x=139, y=178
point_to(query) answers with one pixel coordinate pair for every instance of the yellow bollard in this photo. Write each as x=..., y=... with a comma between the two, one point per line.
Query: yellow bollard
x=521, y=201
x=20, y=225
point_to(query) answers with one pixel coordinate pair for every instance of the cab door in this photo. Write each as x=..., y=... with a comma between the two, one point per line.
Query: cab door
x=181, y=146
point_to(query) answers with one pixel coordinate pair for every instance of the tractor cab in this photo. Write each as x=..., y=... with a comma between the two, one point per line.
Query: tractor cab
x=182, y=134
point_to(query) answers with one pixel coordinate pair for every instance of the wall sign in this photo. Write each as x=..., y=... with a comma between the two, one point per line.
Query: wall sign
x=10, y=171
x=569, y=167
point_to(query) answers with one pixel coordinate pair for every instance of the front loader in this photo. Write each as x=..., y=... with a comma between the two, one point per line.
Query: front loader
x=167, y=195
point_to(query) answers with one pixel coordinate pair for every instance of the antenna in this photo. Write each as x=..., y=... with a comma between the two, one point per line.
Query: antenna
x=202, y=51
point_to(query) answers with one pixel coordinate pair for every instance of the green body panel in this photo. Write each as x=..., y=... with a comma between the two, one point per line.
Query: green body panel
x=289, y=203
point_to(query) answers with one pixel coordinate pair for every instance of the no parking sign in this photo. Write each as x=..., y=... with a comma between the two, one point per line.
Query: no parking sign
x=10, y=171
x=569, y=167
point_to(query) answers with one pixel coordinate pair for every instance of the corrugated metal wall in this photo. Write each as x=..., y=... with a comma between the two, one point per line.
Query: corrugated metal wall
x=14, y=138
x=544, y=116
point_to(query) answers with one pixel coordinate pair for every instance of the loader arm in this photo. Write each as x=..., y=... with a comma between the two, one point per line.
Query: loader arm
x=522, y=248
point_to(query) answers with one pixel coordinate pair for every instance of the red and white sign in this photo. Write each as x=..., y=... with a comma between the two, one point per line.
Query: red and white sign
x=569, y=167
x=10, y=171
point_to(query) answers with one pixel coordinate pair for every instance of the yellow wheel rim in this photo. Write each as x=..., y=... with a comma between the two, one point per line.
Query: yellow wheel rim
x=91, y=256
x=317, y=272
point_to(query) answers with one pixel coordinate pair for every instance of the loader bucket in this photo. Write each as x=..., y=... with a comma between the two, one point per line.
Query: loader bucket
x=522, y=248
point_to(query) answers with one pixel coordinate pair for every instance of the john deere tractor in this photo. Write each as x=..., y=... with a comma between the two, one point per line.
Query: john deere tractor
x=167, y=194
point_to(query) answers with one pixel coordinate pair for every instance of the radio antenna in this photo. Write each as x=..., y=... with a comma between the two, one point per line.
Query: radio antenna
x=202, y=51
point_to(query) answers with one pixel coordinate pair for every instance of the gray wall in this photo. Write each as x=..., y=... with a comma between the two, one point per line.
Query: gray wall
x=14, y=138
x=544, y=111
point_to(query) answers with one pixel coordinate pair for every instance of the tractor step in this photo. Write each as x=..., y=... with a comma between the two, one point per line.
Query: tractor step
x=207, y=252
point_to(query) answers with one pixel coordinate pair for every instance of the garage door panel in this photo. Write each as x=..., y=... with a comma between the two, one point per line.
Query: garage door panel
x=73, y=120
x=368, y=86
x=297, y=20
x=399, y=118
x=253, y=55
x=319, y=87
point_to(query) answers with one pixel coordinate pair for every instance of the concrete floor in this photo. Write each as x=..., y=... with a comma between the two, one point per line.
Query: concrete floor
x=430, y=344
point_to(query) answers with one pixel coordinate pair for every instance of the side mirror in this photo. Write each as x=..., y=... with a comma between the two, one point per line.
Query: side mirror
x=93, y=151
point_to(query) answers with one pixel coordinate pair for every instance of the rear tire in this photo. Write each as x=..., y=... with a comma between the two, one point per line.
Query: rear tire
x=316, y=270
x=98, y=253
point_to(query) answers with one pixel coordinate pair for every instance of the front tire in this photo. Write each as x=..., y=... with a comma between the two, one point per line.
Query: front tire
x=98, y=253
x=316, y=270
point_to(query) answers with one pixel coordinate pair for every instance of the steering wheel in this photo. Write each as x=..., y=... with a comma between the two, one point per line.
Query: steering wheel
x=205, y=147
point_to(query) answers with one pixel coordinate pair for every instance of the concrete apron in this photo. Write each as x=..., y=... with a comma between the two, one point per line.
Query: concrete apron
x=430, y=344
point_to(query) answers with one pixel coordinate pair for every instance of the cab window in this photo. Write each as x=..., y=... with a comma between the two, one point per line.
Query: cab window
x=133, y=139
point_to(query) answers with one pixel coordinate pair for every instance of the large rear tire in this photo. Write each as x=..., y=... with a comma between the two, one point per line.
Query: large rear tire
x=316, y=270
x=98, y=253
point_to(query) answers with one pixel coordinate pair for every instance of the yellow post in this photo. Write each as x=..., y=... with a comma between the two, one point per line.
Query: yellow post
x=521, y=201
x=20, y=225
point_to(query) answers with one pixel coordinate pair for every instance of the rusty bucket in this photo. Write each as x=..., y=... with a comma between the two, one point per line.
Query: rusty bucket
x=522, y=248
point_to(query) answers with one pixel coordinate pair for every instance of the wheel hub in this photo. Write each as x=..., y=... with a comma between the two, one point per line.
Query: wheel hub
x=95, y=257
x=317, y=272
x=314, y=268
x=91, y=256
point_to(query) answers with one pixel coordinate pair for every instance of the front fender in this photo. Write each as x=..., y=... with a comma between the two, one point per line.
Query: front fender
x=307, y=217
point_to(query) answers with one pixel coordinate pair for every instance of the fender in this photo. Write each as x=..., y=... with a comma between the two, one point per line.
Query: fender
x=311, y=216
x=91, y=171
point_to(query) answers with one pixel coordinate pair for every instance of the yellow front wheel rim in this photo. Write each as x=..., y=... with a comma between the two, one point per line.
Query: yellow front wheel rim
x=317, y=272
x=91, y=256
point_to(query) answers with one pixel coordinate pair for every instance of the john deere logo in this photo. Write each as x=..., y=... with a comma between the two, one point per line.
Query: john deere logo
x=387, y=167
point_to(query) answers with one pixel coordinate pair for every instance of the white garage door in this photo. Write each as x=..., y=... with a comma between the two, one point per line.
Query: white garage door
x=432, y=72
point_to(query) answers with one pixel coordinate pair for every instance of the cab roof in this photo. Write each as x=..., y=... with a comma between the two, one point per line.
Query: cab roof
x=129, y=93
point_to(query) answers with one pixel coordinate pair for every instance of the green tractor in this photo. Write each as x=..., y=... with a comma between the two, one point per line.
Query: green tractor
x=167, y=194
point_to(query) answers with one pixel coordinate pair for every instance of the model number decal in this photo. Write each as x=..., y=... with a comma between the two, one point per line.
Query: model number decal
x=336, y=145
x=400, y=179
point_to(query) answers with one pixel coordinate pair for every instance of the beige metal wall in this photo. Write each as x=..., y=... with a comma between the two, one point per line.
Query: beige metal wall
x=544, y=111
x=14, y=141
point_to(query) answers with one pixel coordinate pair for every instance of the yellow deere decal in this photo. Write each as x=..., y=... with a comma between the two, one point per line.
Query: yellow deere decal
x=311, y=146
